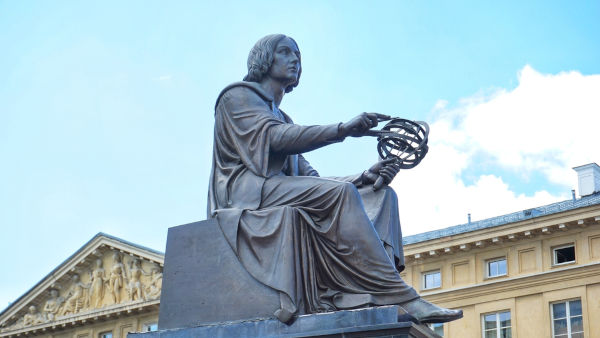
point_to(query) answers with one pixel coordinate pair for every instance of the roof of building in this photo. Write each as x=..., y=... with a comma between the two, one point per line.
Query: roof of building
x=505, y=219
x=98, y=235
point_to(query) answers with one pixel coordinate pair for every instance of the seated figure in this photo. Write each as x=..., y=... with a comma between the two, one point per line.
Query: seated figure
x=324, y=244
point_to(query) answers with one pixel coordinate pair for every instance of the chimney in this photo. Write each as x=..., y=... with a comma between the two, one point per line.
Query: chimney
x=588, y=177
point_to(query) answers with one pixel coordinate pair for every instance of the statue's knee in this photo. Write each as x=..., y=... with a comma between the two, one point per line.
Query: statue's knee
x=349, y=189
x=390, y=193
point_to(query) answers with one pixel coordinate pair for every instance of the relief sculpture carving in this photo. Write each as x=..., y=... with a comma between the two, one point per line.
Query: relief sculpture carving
x=33, y=317
x=98, y=281
x=123, y=276
x=117, y=278
x=76, y=298
x=155, y=286
x=134, y=288
x=52, y=305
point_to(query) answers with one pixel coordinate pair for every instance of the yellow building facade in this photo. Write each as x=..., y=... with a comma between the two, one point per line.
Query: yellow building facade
x=535, y=273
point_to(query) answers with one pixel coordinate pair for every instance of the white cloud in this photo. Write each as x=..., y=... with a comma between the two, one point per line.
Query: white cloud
x=546, y=125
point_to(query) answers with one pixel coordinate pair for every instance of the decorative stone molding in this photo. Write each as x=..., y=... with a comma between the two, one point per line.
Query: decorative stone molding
x=510, y=232
x=106, y=276
x=569, y=276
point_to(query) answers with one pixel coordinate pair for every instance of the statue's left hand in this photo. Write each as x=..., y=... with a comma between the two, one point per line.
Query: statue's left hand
x=385, y=169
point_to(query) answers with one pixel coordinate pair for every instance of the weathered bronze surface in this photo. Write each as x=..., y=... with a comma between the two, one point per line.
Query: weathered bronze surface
x=322, y=243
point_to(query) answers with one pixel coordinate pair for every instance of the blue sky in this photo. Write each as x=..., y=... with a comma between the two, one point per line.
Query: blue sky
x=106, y=108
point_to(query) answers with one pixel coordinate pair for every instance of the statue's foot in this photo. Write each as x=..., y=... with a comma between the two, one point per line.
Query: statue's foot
x=425, y=312
x=284, y=316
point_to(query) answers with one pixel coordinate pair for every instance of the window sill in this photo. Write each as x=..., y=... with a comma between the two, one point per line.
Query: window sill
x=430, y=289
x=563, y=264
x=495, y=277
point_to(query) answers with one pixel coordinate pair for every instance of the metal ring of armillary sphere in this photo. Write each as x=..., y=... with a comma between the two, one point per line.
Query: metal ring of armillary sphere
x=403, y=140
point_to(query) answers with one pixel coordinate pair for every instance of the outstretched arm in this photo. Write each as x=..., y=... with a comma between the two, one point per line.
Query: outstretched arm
x=295, y=139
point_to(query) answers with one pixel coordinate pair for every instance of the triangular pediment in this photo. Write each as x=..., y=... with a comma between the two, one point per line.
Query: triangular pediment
x=106, y=276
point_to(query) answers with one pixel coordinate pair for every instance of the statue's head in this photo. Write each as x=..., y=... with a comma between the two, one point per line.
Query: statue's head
x=32, y=309
x=53, y=293
x=117, y=257
x=260, y=59
x=98, y=263
x=75, y=278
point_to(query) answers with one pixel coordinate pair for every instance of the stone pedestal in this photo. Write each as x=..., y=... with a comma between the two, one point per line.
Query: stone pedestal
x=204, y=282
x=380, y=321
x=206, y=292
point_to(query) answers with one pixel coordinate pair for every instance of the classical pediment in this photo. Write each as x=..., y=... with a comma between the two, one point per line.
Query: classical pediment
x=107, y=276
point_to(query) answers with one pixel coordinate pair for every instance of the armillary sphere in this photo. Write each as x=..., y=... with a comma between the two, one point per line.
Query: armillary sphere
x=402, y=140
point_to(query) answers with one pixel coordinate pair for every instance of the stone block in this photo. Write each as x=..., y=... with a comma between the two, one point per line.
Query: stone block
x=204, y=282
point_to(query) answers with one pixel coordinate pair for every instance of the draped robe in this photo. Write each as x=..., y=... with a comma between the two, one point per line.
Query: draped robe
x=323, y=243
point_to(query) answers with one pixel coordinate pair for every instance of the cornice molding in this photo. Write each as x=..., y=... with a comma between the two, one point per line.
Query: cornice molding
x=511, y=232
x=91, y=316
x=566, y=277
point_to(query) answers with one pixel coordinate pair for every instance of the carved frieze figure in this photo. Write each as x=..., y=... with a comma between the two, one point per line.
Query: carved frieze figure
x=117, y=278
x=134, y=288
x=76, y=298
x=52, y=305
x=98, y=280
x=17, y=324
x=153, y=289
x=32, y=317
x=324, y=243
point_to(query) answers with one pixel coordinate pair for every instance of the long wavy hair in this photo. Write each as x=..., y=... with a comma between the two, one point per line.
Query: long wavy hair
x=260, y=59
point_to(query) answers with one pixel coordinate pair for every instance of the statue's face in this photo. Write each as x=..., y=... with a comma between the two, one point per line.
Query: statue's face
x=32, y=309
x=286, y=62
x=53, y=293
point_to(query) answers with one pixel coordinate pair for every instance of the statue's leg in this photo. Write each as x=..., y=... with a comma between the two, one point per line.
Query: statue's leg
x=382, y=208
x=319, y=229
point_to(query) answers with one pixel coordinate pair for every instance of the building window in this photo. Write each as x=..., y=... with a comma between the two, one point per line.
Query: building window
x=496, y=325
x=432, y=280
x=496, y=267
x=149, y=327
x=564, y=254
x=107, y=334
x=567, y=319
x=438, y=328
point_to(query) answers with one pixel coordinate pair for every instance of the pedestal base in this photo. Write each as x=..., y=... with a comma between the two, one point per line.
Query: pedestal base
x=204, y=282
x=368, y=322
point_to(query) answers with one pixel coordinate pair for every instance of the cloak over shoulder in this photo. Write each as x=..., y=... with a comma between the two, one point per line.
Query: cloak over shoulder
x=310, y=238
x=252, y=143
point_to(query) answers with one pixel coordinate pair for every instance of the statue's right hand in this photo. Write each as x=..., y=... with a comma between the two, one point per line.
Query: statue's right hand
x=359, y=125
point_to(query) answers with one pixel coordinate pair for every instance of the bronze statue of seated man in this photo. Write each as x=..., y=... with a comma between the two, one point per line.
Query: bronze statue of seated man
x=324, y=244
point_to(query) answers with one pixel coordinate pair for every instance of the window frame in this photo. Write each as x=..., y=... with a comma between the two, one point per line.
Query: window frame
x=498, y=328
x=424, y=278
x=103, y=333
x=149, y=325
x=567, y=316
x=568, y=245
x=492, y=260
